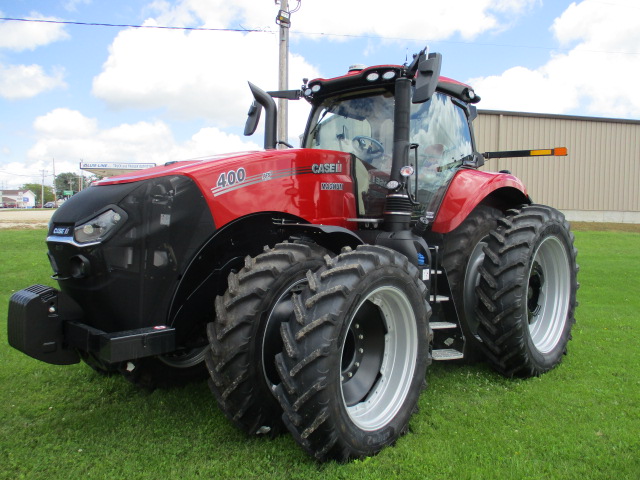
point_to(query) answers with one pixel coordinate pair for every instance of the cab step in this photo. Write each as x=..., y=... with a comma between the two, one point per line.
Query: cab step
x=439, y=298
x=443, y=354
x=442, y=325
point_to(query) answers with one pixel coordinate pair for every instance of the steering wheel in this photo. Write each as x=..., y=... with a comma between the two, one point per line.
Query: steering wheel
x=367, y=148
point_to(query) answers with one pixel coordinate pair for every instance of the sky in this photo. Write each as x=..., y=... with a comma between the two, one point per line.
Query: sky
x=72, y=93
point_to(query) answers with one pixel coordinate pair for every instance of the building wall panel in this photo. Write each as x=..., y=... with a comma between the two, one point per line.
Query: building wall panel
x=600, y=174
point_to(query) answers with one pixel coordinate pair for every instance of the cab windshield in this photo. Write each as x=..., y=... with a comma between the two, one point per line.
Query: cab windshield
x=363, y=126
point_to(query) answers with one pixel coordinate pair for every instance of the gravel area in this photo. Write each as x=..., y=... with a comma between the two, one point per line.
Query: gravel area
x=24, y=218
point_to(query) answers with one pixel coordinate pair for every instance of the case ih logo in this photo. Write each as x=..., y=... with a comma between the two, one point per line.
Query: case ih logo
x=326, y=168
x=61, y=231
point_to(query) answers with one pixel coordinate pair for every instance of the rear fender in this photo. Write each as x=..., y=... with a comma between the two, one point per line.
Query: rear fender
x=469, y=188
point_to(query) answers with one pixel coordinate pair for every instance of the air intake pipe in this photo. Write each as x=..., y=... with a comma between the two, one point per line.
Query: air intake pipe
x=398, y=206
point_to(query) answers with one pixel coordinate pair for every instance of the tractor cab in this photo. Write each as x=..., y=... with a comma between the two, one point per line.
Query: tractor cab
x=389, y=117
x=362, y=123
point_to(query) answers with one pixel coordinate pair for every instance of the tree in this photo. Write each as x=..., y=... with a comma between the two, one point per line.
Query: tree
x=93, y=178
x=67, y=181
x=37, y=189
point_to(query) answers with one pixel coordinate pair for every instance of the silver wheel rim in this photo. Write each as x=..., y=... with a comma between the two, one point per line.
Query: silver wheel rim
x=186, y=358
x=394, y=359
x=548, y=294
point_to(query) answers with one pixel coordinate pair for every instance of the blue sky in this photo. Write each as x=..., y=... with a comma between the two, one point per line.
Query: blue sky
x=96, y=93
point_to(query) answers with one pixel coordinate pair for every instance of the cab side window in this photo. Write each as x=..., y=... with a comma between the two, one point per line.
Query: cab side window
x=441, y=132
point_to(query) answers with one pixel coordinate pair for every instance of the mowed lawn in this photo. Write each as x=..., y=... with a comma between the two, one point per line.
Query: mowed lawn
x=580, y=421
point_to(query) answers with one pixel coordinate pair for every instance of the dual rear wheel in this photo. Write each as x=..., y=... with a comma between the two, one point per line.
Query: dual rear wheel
x=513, y=278
x=527, y=291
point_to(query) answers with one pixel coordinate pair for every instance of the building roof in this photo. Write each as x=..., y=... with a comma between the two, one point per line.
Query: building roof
x=558, y=116
x=14, y=193
x=110, y=169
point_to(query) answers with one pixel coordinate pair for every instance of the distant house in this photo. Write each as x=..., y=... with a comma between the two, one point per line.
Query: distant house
x=18, y=198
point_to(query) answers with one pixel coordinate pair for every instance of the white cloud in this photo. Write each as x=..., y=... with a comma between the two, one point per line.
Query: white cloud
x=196, y=74
x=19, y=36
x=604, y=44
x=26, y=81
x=192, y=74
x=72, y=5
x=426, y=20
x=64, y=123
x=68, y=136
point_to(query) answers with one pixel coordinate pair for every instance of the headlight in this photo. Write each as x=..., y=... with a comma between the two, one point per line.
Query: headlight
x=96, y=229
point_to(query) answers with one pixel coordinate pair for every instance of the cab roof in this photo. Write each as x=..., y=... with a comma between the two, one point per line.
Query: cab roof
x=379, y=76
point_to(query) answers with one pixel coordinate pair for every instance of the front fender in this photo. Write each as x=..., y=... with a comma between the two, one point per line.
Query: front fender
x=469, y=188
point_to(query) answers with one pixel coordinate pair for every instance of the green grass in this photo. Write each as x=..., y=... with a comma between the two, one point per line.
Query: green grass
x=579, y=421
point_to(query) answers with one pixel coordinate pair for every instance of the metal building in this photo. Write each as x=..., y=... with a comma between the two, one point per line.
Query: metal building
x=599, y=180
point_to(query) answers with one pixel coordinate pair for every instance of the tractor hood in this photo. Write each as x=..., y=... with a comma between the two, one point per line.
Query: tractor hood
x=183, y=167
x=312, y=184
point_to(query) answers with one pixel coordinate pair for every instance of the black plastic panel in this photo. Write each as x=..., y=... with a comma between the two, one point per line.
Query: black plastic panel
x=131, y=277
x=36, y=321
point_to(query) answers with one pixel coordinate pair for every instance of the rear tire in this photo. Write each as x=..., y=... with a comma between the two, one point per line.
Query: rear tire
x=462, y=258
x=527, y=291
x=245, y=337
x=356, y=354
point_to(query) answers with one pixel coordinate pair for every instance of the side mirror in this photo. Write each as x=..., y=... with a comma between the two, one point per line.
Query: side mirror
x=253, y=117
x=427, y=78
x=262, y=98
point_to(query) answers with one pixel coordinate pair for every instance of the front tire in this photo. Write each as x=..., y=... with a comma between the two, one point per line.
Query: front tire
x=245, y=336
x=356, y=354
x=170, y=371
x=527, y=291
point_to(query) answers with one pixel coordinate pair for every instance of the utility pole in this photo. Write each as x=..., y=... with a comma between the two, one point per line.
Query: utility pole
x=55, y=196
x=284, y=20
x=80, y=178
x=42, y=189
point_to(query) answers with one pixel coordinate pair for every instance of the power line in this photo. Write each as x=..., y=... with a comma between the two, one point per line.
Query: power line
x=160, y=27
x=319, y=34
x=23, y=175
x=458, y=42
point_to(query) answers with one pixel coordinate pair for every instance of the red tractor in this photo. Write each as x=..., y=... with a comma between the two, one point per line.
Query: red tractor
x=314, y=286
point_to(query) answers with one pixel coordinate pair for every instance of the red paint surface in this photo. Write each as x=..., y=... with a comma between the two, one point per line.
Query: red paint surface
x=274, y=180
x=467, y=189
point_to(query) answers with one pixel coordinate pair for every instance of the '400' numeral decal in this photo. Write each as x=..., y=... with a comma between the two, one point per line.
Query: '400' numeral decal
x=226, y=179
